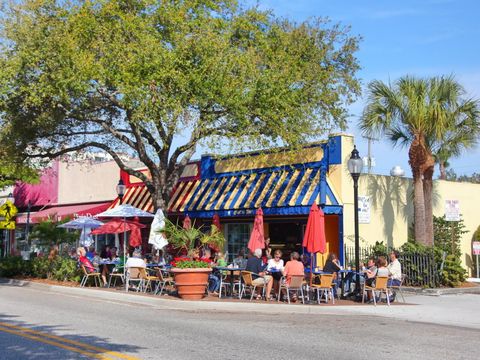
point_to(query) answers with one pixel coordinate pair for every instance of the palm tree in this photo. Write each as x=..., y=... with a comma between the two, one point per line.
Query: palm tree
x=462, y=132
x=414, y=112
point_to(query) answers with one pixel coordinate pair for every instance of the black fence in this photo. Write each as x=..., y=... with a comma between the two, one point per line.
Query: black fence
x=421, y=269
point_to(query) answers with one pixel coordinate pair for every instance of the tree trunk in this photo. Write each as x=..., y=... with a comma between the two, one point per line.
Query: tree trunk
x=417, y=157
x=443, y=170
x=428, y=196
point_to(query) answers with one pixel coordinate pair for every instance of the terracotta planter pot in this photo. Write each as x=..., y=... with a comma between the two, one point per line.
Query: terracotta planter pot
x=191, y=283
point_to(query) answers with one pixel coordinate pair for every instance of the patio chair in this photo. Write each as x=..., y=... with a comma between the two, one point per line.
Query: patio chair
x=296, y=283
x=325, y=287
x=117, y=273
x=148, y=279
x=380, y=287
x=86, y=275
x=247, y=282
x=225, y=283
x=398, y=288
x=163, y=281
x=134, y=275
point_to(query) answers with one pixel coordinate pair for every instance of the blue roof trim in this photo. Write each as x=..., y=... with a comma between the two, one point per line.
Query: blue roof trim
x=293, y=210
x=306, y=186
x=270, y=189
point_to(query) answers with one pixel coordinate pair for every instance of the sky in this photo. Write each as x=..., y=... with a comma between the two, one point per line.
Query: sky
x=408, y=37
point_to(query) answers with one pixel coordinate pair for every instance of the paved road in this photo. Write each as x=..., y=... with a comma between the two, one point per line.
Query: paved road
x=41, y=324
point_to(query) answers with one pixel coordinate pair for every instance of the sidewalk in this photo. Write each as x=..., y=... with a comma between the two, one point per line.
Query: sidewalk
x=461, y=310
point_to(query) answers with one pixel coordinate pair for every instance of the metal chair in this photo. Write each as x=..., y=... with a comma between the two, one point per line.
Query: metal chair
x=399, y=287
x=380, y=287
x=163, y=281
x=296, y=283
x=248, y=283
x=86, y=275
x=325, y=287
x=225, y=283
x=134, y=275
x=116, y=273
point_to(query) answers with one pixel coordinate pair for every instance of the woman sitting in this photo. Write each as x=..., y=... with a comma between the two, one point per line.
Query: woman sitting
x=275, y=267
x=293, y=268
x=83, y=260
x=332, y=266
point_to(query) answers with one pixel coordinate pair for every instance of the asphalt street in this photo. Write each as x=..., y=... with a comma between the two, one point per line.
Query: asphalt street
x=37, y=323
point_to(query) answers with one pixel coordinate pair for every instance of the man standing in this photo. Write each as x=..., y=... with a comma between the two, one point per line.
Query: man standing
x=254, y=265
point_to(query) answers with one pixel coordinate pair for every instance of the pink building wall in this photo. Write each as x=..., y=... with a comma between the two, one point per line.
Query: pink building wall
x=41, y=194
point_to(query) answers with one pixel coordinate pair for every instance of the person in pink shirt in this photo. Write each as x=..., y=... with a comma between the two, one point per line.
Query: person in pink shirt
x=292, y=268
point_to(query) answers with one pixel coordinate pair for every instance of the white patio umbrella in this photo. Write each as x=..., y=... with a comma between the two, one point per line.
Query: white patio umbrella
x=124, y=211
x=157, y=238
x=84, y=223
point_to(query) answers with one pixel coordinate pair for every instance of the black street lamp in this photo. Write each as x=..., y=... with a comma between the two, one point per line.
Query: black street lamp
x=355, y=165
x=121, y=190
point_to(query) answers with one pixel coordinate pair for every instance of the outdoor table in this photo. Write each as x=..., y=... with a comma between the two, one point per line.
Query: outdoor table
x=276, y=273
x=155, y=265
x=231, y=270
x=108, y=262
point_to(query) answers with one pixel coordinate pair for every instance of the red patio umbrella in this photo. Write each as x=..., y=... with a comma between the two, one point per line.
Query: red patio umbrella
x=187, y=223
x=314, y=239
x=257, y=237
x=118, y=226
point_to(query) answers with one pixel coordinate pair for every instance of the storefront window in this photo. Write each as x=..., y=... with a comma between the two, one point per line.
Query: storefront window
x=237, y=239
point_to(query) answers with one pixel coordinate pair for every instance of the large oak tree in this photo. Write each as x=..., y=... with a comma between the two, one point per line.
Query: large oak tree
x=158, y=78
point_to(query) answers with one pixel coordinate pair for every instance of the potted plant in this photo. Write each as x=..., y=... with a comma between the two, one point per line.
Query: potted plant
x=191, y=273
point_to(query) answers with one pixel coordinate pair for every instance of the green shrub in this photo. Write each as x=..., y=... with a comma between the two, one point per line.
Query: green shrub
x=14, y=266
x=453, y=274
x=41, y=267
x=65, y=269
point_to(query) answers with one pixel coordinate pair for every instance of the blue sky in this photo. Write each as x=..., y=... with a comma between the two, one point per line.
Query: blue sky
x=422, y=38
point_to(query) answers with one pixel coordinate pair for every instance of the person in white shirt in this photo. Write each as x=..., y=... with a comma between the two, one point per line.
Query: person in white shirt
x=136, y=260
x=394, y=269
x=274, y=267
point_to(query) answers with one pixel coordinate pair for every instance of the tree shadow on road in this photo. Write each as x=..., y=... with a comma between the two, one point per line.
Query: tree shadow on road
x=23, y=340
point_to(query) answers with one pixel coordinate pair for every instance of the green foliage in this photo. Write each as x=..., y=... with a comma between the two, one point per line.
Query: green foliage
x=190, y=264
x=65, y=269
x=47, y=233
x=133, y=76
x=448, y=235
x=61, y=268
x=380, y=249
x=453, y=274
x=11, y=266
x=191, y=240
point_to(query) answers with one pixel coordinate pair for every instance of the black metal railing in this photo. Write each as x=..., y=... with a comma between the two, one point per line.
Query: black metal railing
x=421, y=269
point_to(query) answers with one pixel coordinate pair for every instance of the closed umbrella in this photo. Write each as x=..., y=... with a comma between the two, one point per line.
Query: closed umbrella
x=257, y=237
x=187, y=223
x=156, y=237
x=216, y=227
x=314, y=239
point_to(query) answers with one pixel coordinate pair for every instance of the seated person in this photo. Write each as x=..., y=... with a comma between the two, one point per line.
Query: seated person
x=107, y=268
x=90, y=253
x=240, y=260
x=292, y=268
x=254, y=265
x=370, y=272
x=214, y=277
x=83, y=260
x=394, y=269
x=136, y=260
x=105, y=253
x=275, y=267
x=332, y=266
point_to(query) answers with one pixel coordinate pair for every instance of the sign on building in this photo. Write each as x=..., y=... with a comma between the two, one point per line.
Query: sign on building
x=452, y=210
x=364, y=209
x=476, y=247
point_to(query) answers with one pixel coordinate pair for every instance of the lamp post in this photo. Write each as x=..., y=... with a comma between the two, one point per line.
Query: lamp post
x=121, y=190
x=355, y=165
